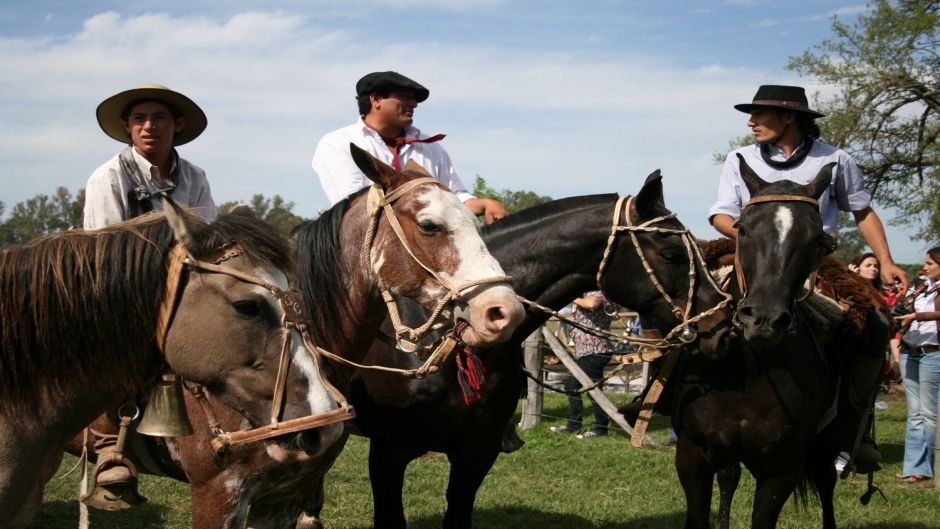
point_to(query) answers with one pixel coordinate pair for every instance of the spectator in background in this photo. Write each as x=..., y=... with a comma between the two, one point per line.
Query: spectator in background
x=867, y=266
x=921, y=359
x=593, y=354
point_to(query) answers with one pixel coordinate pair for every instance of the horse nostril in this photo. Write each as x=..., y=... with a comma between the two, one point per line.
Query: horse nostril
x=496, y=319
x=746, y=312
x=309, y=441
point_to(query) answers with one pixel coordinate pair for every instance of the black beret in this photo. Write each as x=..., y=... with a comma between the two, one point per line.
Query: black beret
x=377, y=81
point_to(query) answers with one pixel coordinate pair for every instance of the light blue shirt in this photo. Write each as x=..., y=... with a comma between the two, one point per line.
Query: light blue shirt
x=847, y=190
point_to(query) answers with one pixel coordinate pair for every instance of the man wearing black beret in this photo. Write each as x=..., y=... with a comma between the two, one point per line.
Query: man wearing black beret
x=387, y=101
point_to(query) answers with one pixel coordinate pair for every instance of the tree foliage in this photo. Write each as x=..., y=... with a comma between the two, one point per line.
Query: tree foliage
x=512, y=200
x=275, y=211
x=887, y=111
x=40, y=215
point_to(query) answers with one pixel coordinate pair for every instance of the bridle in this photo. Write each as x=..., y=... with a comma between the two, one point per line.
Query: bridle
x=686, y=328
x=379, y=203
x=739, y=270
x=292, y=319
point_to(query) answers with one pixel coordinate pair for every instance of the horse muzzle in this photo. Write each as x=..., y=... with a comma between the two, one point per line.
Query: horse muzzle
x=493, y=315
x=764, y=326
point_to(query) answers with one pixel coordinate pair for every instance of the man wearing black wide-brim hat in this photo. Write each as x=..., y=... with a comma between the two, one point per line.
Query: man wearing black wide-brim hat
x=787, y=147
x=152, y=121
x=387, y=101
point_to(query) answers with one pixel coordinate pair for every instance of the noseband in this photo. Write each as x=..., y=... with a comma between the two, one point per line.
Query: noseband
x=292, y=318
x=686, y=328
x=379, y=203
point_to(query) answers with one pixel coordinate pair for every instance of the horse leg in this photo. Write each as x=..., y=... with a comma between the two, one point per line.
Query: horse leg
x=824, y=479
x=728, y=478
x=696, y=476
x=468, y=467
x=387, y=475
x=211, y=508
x=770, y=496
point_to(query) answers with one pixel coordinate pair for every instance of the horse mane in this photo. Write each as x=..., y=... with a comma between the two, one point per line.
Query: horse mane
x=320, y=281
x=79, y=308
x=540, y=213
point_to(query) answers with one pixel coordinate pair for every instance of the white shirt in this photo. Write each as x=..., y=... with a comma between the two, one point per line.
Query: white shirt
x=340, y=177
x=108, y=189
x=922, y=333
x=847, y=190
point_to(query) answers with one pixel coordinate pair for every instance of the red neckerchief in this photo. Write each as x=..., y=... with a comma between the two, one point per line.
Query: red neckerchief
x=401, y=141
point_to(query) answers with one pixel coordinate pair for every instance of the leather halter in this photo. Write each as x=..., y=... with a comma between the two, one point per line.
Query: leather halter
x=292, y=318
x=687, y=322
x=379, y=203
x=738, y=269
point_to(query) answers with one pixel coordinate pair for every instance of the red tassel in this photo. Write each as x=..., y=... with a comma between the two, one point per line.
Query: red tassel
x=471, y=375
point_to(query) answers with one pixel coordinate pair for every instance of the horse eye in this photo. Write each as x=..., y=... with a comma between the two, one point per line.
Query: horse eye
x=673, y=257
x=250, y=309
x=428, y=226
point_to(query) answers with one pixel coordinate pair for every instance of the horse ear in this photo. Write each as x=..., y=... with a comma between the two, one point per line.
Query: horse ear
x=754, y=183
x=649, y=201
x=373, y=168
x=416, y=167
x=819, y=184
x=177, y=221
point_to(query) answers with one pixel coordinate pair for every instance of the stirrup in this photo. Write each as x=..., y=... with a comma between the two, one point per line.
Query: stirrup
x=117, y=496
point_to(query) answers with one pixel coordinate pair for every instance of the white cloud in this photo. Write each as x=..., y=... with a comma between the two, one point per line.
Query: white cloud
x=272, y=83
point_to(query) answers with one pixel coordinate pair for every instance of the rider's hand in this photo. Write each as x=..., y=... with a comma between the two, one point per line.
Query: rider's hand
x=891, y=274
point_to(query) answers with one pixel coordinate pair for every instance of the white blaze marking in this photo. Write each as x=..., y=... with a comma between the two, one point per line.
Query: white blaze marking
x=783, y=220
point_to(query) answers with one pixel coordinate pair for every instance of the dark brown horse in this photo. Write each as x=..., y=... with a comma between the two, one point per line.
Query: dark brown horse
x=763, y=402
x=81, y=330
x=341, y=275
x=554, y=251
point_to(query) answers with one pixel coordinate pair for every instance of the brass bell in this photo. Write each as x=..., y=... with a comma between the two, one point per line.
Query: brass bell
x=165, y=415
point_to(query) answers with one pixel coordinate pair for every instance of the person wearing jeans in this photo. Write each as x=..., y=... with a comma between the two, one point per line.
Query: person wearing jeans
x=921, y=361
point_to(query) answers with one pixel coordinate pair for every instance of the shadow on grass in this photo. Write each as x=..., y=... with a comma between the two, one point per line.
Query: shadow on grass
x=526, y=518
x=65, y=514
x=891, y=453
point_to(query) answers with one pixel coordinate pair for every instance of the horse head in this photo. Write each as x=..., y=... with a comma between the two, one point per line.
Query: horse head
x=679, y=293
x=780, y=243
x=228, y=333
x=428, y=248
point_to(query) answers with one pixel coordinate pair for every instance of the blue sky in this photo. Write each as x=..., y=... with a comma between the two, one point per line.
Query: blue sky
x=561, y=98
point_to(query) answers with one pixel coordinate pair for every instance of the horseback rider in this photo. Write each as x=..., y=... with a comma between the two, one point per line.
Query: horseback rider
x=787, y=148
x=152, y=121
x=387, y=101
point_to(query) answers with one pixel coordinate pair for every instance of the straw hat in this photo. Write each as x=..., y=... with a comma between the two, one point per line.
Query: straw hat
x=110, y=110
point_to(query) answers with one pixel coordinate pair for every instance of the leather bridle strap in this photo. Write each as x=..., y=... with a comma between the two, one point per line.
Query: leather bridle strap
x=292, y=318
x=379, y=203
x=738, y=269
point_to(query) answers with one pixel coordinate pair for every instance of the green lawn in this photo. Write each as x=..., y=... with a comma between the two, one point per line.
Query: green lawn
x=554, y=482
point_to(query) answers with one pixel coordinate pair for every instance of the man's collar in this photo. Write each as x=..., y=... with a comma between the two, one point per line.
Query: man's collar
x=410, y=131
x=777, y=152
x=147, y=168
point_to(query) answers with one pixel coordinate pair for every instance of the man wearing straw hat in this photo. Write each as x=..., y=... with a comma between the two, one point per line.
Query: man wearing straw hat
x=152, y=120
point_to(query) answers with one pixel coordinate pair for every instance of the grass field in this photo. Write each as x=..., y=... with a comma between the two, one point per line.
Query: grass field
x=554, y=482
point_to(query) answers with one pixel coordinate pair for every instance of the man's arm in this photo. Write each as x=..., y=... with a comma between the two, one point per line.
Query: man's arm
x=725, y=225
x=873, y=231
x=491, y=209
x=588, y=303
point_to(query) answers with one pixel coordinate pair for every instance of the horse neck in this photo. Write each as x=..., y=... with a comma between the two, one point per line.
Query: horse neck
x=555, y=259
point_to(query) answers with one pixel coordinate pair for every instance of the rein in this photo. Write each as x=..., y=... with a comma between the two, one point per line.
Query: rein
x=379, y=203
x=292, y=318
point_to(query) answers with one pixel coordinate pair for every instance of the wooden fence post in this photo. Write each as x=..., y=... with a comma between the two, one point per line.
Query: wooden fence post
x=585, y=381
x=532, y=406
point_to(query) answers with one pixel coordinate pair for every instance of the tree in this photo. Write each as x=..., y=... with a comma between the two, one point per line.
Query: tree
x=887, y=111
x=42, y=214
x=273, y=210
x=512, y=200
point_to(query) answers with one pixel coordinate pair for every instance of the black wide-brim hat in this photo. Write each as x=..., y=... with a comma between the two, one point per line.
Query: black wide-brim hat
x=110, y=110
x=378, y=81
x=791, y=98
